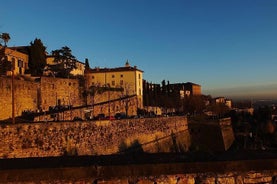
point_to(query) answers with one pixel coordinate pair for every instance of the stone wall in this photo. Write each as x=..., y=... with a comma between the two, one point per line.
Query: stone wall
x=59, y=91
x=118, y=103
x=227, y=132
x=31, y=96
x=138, y=174
x=84, y=112
x=49, y=92
x=250, y=177
x=94, y=137
x=25, y=93
x=211, y=135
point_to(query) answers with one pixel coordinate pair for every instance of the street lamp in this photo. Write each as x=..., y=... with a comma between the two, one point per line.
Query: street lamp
x=13, y=66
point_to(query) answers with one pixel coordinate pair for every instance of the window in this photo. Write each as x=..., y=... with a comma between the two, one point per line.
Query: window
x=113, y=83
x=121, y=75
x=139, y=76
x=92, y=77
x=121, y=82
x=20, y=64
x=112, y=76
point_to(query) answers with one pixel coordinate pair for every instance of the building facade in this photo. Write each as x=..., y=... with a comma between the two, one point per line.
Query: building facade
x=127, y=78
x=18, y=60
x=191, y=89
x=224, y=100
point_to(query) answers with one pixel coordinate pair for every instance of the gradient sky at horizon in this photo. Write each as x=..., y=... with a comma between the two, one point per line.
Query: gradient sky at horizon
x=216, y=43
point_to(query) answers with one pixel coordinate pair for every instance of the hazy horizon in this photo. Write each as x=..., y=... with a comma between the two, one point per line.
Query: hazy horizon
x=250, y=92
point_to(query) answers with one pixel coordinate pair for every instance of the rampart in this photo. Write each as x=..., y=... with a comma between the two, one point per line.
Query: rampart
x=221, y=138
x=224, y=172
x=38, y=95
x=59, y=91
x=25, y=93
x=94, y=137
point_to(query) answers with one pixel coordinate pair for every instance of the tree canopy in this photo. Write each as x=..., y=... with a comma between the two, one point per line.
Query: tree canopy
x=5, y=37
x=64, y=61
x=37, y=60
x=5, y=65
x=87, y=64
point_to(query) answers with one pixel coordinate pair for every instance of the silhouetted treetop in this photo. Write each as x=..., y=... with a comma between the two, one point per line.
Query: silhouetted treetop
x=65, y=61
x=37, y=60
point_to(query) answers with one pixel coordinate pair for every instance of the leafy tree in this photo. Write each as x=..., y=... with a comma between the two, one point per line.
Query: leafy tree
x=193, y=104
x=65, y=62
x=37, y=60
x=219, y=108
x=5, y=37
x=5, y=65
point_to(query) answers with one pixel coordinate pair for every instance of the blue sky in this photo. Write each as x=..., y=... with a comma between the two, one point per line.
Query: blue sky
x=222, y=45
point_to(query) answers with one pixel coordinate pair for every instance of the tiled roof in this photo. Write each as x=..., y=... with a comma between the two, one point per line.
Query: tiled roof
x=118, y=69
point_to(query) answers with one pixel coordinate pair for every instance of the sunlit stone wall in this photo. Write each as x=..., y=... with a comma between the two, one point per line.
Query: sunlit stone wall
x=93, y=137
x=25, y=93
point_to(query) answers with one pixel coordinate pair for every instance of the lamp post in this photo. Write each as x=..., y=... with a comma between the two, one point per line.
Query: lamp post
x=13, y=116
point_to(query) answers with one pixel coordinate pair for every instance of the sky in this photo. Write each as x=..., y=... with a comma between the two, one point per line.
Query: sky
x=229, y=47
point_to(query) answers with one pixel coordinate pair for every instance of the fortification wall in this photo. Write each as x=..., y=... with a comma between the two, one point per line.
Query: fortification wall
x=117, y=103
x=221, y=138
x=30, y=95
x=25, y=93
x=94, y=137
x=50, y=92
x=147, y=174
x=59, y=91
x=251, y=177
x=111, y=108
x=227, y=132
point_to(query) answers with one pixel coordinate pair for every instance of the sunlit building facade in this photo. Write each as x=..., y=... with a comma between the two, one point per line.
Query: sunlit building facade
x=18, y=60
x=128, y=78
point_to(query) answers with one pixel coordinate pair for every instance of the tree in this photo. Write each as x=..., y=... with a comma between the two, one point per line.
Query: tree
x=86, y=64
x=219, y=108
x=5, y=65
x=194, y=104
x=37, y=60
x=65, y=62
x=5, y=37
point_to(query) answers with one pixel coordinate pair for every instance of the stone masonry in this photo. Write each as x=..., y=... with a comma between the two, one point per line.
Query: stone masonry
x=92, y=137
